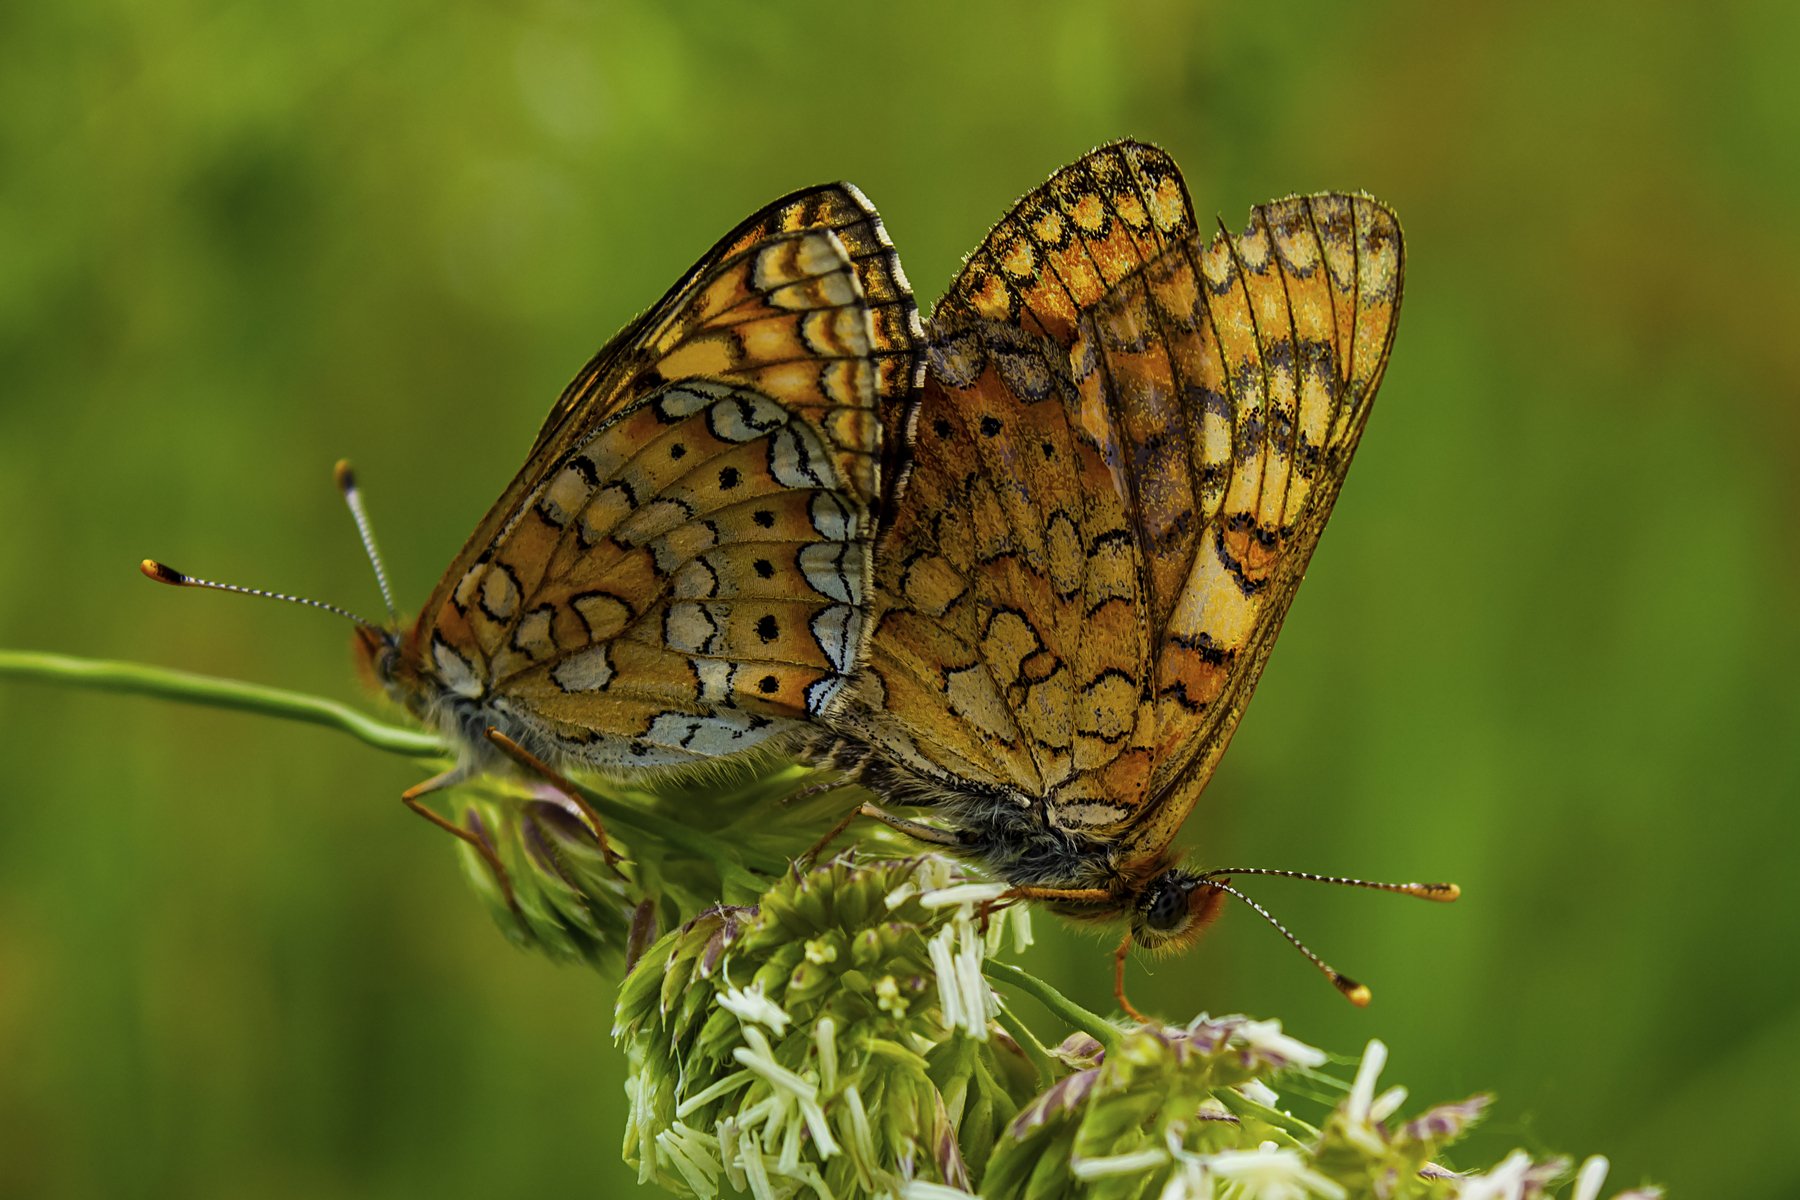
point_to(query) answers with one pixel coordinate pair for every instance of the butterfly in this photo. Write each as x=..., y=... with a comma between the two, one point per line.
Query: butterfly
x=1129, y=439
x=679, y=571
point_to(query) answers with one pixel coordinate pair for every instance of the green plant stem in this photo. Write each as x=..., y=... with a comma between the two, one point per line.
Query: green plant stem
x=187, y=687
x=190, y=688
x=1029, y=1045
x=1291, y=1128
x=1090, y=1023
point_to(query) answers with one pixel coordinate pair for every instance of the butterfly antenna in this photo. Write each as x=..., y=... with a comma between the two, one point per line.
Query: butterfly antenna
x=346, y=482
x=1441, y=892
x=164, y=573
x=1358, y=994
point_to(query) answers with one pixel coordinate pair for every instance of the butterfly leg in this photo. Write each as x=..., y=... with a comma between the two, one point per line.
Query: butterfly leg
x=913, y=829
x=1120, y=956
x=411, y=797
x=566, y=786
x=805, y=861
x=1102, y=900
x=816, y=789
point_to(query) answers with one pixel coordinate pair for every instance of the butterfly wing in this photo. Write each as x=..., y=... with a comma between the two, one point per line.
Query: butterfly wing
x=690, y=333
x=1120, y=477
x=1011, y=650
x=679, y=569
x=1060, y=249
x=1234, y=380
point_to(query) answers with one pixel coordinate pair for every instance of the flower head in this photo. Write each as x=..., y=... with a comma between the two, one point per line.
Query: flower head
x=838, y=1037
x=1162, y=1113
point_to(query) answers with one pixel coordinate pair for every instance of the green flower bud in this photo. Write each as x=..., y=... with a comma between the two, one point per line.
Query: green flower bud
x=566, y=899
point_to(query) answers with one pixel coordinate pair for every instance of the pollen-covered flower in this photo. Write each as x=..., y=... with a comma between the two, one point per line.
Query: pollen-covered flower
x=1358, y=1145
x=838, y=1038
x=1517, y=1177
x=1162, y=1114
x=1270, y=1173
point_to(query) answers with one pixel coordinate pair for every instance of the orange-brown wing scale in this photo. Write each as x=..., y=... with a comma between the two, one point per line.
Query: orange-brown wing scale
x=680, y=569
x=1117, y=488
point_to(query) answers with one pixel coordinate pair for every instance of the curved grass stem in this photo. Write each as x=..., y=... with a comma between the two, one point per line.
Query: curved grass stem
x=1090, y=1023
x=190, y=688
x=1029, y=1046
x=187, y=687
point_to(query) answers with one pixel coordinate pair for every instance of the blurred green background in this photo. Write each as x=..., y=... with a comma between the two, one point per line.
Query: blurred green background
x=1548, y=648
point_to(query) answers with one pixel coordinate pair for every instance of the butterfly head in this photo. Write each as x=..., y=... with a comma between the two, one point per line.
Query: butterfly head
x=378, y=656
x=1172, y=908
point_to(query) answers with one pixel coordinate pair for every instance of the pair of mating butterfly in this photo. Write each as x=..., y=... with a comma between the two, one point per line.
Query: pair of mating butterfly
x=1022, y=570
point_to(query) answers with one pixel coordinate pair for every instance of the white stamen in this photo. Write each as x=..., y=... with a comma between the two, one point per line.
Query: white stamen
x=901, y=895
x=920, y=1189
x=689, y=1152
x=977, y=998
x=1258, y=1092
x=862, y=1137
x=1362, y=1092
x=1266, y=1038
x=1387, y=1104
x=968, y=894
x=1188, y=1181
x=752, y=1005
x=825, y=1041
x=713, y=1091
x=729, y=1150
x=756, y=1173
x=789, y=1162
x=1270, y=1171
x=1589, y=1178
x=1504, y=1182
x=943, y=965
x=809, y=1175
x=1118, y=1164
x=759, y=1057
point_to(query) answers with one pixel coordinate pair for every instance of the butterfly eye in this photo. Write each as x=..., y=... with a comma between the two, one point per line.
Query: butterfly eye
x=1167, y=910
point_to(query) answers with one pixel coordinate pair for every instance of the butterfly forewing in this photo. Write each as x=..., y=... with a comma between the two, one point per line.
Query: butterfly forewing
x=680, y=569
x=1271, y=344
x=1066, y=243
x=1126, y=448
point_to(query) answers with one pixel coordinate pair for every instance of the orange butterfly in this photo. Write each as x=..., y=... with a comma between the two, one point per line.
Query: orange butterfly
x=1127, y=445
x=679, y=571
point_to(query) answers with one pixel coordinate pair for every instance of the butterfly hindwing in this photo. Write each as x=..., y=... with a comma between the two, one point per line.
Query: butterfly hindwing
x=680, y=569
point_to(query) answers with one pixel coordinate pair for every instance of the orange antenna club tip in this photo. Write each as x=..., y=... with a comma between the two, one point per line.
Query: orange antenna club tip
x=162, y=572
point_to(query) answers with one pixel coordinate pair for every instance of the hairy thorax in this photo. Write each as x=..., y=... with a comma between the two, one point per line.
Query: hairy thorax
x=1008, y=833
